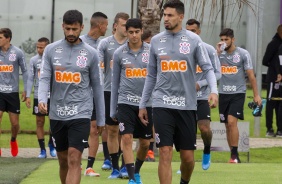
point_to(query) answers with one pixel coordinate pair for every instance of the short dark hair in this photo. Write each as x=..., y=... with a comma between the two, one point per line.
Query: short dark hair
x=121, y=15
x=73, y=16
x=97, y=18
x=44, y=39
x=146, y=34
x=6, y=32
x=227, y=32
x=177, y=4
x=135, y=23
x=193, y=21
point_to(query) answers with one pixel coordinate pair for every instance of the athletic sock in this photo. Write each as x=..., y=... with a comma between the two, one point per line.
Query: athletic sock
x=138, y=165
x=207, y=149
x=122, y=162
x=90, y=162
x=151, y=147
x=130, y=170
x=114, y=159
x=50, y=142
x=234, y=151
x=13, y=139
x=182, y=181
x=106, y=151
x=41, y=143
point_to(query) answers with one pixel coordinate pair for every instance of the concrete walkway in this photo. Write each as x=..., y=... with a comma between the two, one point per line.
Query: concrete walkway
x=254, y=143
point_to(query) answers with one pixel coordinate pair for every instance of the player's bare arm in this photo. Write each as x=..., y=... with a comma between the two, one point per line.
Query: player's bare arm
x=27, y=102
x=143, y=116
x=42, y=108
x=213, y=100
x=253, y=82
x=23, y=96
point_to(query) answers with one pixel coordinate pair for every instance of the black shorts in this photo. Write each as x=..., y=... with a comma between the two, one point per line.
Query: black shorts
x=203, y=110
x=35, y=108
x=231, y=104
x=129, y=122
x=109, y=120
x=10, y=102
x=70, y=133
x=93, y=116
x=176, y=127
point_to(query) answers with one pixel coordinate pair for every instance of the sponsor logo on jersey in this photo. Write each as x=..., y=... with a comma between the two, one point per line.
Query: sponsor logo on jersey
x=112, y=43
x=59, y=50
x=184, y=48
x=5, y=88
x=236, y=58
x=184, y=38
x=125, y=61
x=12, y=57
x=162, y=53
x=67, y=77
x=229, y=69
x=57, y=63
x=174, y=100
x=67, y=110
x=199, y=94
x=133, y=98
x=145, y=57
x=81, y=61
x=163, y=39
x=38, y=65
x=229, y=88
x=173, y=66
x=121, y=126
x=6, y=68
x=83, y=52
x=135, y=72
x=124, y=50
x=198, y=69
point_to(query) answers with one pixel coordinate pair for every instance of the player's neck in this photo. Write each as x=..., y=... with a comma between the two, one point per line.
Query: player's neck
x=135, y=46
x=5, y=47
x=94, y=34
x=232, y=49
x=119, y=39
x=176, y=30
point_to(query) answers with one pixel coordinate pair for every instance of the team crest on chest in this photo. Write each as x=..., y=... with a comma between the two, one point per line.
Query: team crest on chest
x=184, y=48
x=12, y=57
x=145, y=57
x=81, y=61
x=236, y=58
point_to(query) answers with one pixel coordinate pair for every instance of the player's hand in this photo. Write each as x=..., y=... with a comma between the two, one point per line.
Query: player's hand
x=114, y=119
x=42, y=107
x=213, y=100
x=23, y=96
x=218, y=47
x=27, y=102
x=143, y=116
x=197, y=87
x=279, y=78
x=100, y=129
x=257, y=100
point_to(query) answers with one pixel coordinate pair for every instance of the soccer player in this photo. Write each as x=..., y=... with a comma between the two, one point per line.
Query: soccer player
x=174, y=54
x=129, y=72
x=106, y=48
x=235, y=62
x=11, y=59
x=72, y=68
x=98, y=28
x=203, y=91
x=33, y=80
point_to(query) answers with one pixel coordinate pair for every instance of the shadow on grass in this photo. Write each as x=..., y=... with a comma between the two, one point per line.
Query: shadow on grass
x=13, y=170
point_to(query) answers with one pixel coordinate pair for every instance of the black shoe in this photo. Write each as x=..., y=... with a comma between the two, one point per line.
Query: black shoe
x=270, y=133
x=279, y=134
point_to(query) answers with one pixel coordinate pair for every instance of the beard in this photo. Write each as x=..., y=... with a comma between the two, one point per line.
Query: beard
x=171, y=28
x=228, y=47
x=71, y=39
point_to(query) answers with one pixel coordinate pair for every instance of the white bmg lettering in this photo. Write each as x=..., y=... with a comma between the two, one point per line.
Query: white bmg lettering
x=174, y=100
x=67, y=110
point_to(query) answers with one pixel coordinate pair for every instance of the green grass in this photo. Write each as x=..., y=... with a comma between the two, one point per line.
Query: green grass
x=13, y=170
x=219, y=173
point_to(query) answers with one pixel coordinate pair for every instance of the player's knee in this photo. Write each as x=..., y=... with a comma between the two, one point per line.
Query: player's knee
x=127, y=139
x=144, y=144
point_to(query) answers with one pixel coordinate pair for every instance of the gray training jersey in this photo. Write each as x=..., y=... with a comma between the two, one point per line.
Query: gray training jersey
x=74, y=70
x=204, y=91
x=33, y=76
x=129, y=73
x=90, y=41
x=10, y=62
x=172, y=70
x=106, y=49
x=233, y=68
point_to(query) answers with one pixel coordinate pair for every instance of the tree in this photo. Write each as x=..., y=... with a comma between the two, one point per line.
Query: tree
x=150, y=11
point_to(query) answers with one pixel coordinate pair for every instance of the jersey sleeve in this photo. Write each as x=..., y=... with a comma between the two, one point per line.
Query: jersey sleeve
x=97, y=87
x=151, y=78
x=248, y=65
x=45, y=77
x=115, y=84
x=101, y=51
x=23, y=67
x=30, y=79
